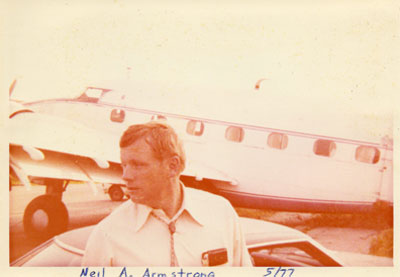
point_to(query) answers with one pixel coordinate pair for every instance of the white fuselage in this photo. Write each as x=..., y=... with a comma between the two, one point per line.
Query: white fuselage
x=286, y=170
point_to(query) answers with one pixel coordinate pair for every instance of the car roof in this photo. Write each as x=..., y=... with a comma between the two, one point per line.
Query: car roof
x=74, y=240
x=256, y=232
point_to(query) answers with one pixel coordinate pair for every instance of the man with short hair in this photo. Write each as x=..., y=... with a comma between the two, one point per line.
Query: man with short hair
x=164, y=223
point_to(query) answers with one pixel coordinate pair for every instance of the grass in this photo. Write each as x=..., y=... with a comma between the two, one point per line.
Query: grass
x=382, y=244
x=254, y=213
x=366, y=221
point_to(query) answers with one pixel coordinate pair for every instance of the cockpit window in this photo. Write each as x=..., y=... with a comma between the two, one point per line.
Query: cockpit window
x=92, y=94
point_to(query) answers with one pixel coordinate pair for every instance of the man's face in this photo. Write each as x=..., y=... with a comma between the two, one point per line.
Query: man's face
x=146, y=176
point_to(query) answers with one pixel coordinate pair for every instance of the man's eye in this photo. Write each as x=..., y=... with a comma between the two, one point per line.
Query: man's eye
x=132, y=165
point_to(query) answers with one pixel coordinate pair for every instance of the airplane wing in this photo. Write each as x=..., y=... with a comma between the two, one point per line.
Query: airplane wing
x=200, y=170
x=44, y=146
x=56, y=151
x=53, y=147
x=62, y=135
x=63, y=166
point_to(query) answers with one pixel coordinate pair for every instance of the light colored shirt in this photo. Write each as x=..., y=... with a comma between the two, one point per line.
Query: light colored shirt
x=132, y=236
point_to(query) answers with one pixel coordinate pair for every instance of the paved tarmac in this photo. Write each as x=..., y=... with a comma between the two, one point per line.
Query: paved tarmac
x=84, y=207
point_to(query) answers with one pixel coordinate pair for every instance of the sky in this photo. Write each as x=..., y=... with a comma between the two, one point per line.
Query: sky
x=330, y=68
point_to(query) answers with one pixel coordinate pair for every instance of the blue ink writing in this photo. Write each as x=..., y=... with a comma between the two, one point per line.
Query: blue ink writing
x=182, y=273
x=279, y=272
x=153, y=274
x=124, y=273
x=86, y=272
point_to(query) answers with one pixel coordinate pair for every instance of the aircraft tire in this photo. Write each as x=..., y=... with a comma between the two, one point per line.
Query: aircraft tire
x=116, y=193
x=45, y=216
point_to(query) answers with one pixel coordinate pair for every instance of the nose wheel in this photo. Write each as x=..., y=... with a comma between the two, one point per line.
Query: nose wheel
x=45, y=216
x=116, y=193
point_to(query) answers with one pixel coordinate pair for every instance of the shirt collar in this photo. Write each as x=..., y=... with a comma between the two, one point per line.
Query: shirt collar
x=141, y=214
x=189, y=205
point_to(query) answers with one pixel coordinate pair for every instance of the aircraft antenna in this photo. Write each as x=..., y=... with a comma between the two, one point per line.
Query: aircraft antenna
x=12, y=86
x=258, y=83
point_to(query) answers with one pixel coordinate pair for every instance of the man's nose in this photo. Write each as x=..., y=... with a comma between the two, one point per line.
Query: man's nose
x=127, y=173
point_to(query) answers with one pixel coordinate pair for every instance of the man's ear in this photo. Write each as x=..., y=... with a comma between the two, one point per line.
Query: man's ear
x=174, y=165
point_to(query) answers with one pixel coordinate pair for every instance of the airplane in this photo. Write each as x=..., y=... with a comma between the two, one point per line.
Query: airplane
x=252, y=166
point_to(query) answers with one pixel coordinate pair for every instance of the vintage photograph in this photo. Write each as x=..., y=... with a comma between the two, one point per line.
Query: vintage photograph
x=228, y=134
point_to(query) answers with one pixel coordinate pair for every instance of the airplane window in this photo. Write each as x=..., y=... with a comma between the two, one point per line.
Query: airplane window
x=323, y=147
x=195, y=128
x=158, y=117
x=94, y=92
x=367, y=154
x=117, y=115
x=234, y=133
x=277, y=140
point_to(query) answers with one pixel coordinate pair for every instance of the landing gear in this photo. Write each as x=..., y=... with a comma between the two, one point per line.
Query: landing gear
x=116, y=193
x=46, y=215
